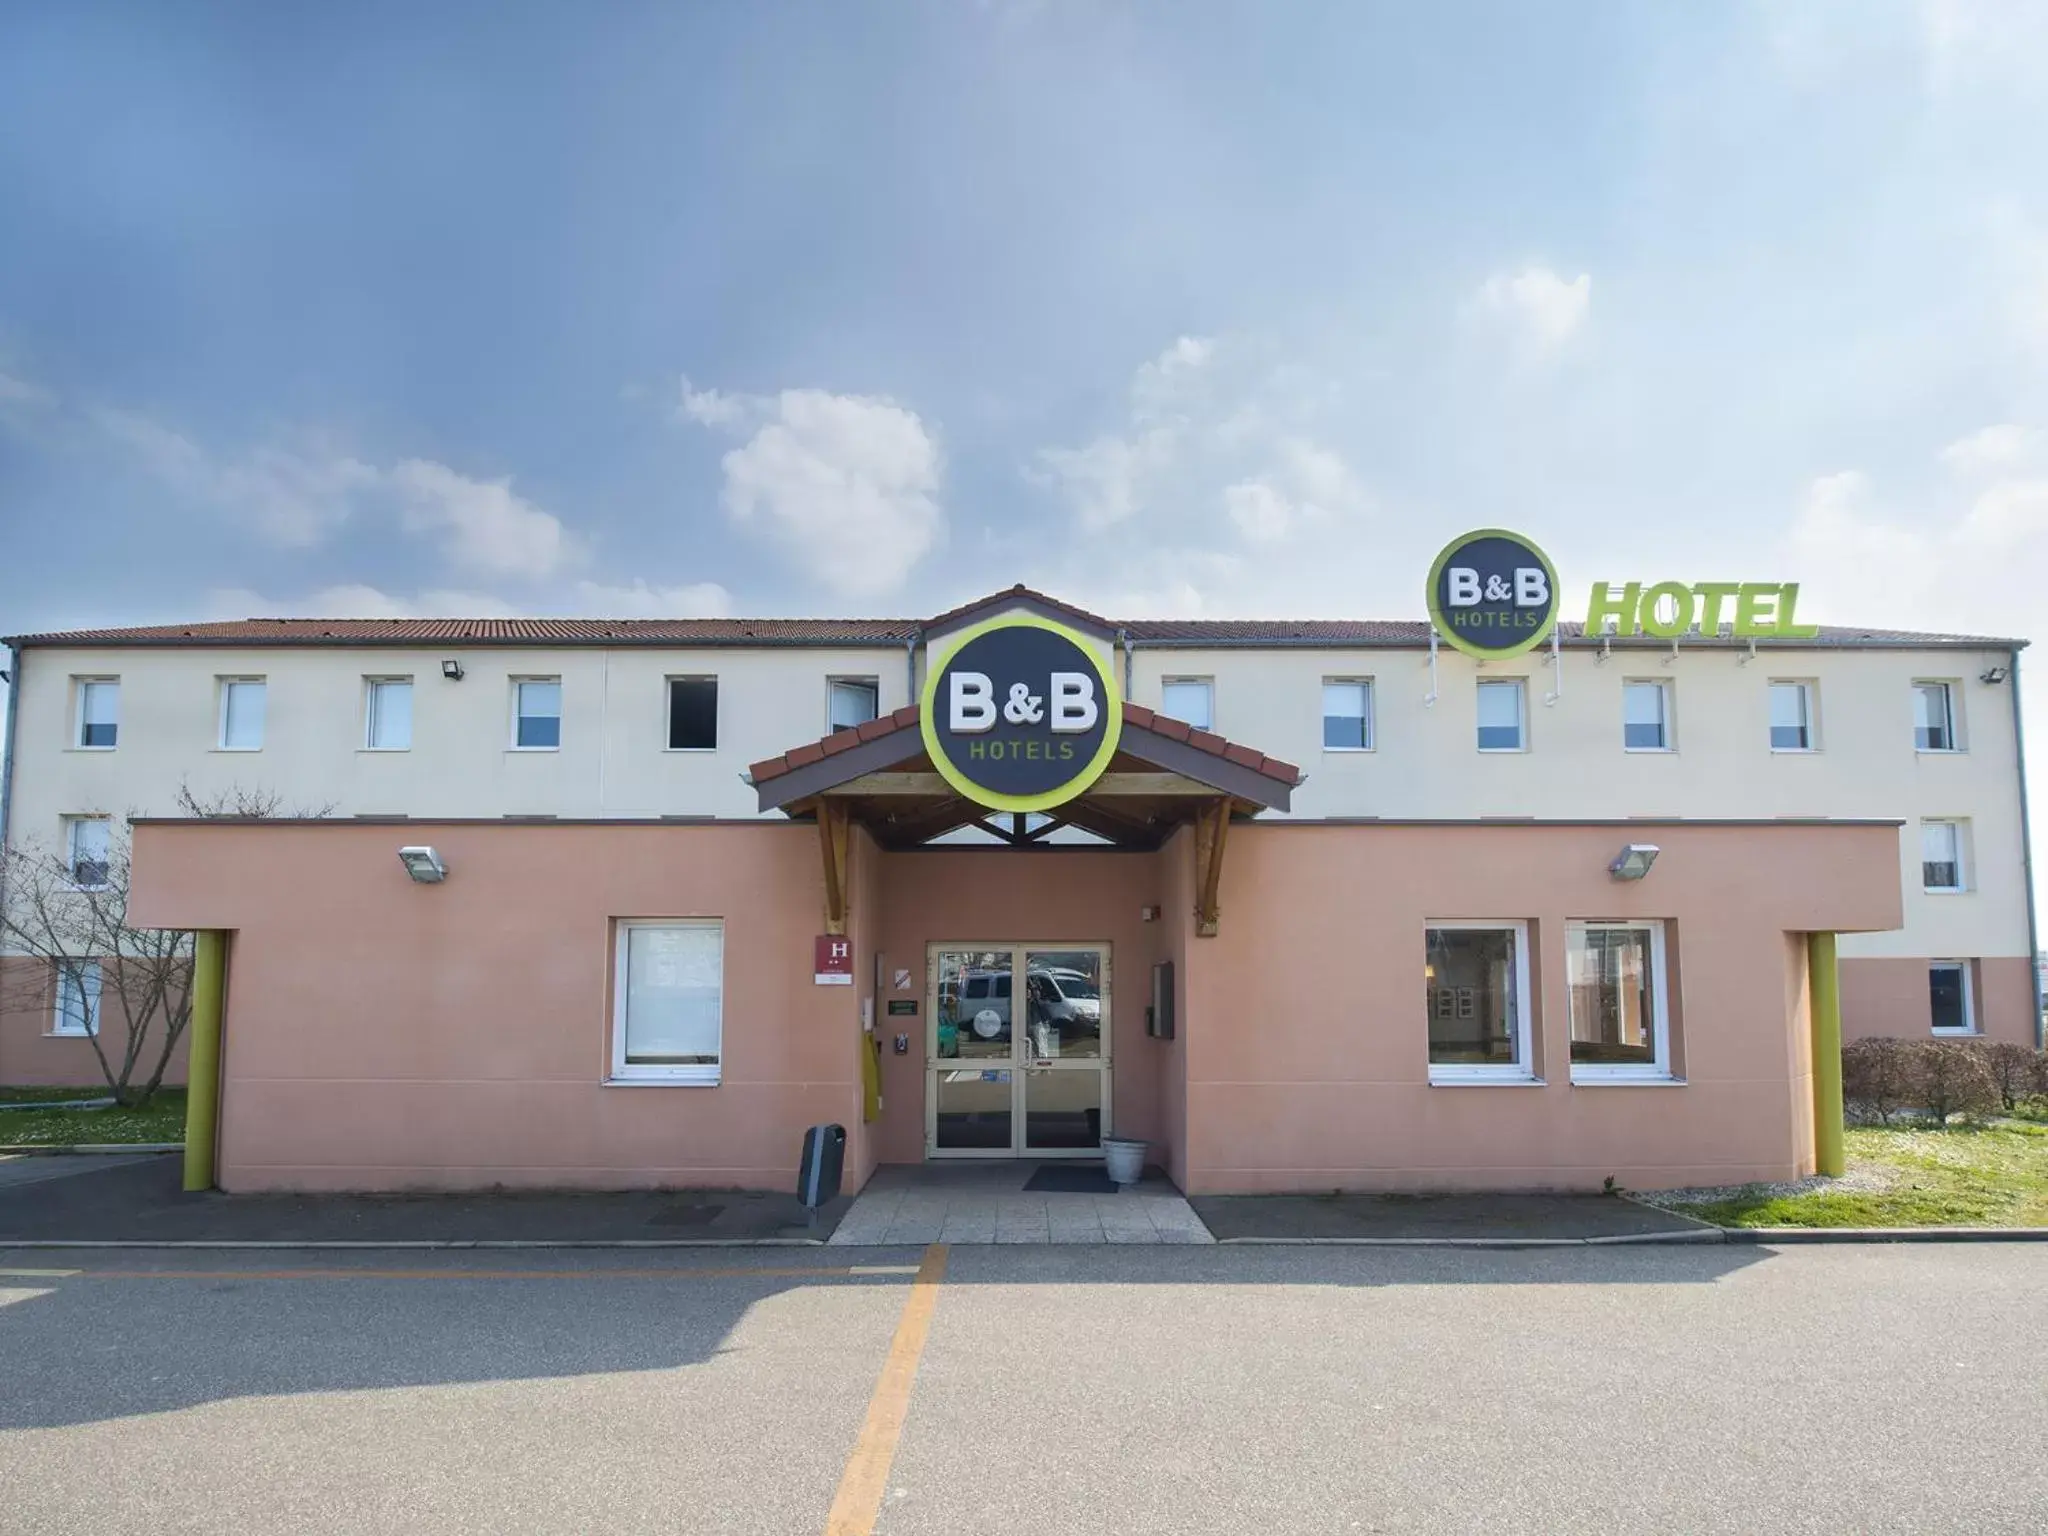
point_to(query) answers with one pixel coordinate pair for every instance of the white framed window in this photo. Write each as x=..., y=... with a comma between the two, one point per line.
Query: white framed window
x=1934, y=718
x=78, y=998
x=1620, y=1009
x=693, y=714
x=1192, y=699
x=243, y=703
x=1646, y=715
x=87, y=840
x=668, y=1001
x=1941, y=856
x=387, y=714
x=1476, y=993
x=98, y=701
x=536, y=714
x=1792, y=716
x=851, y=701
x=1347, y=714
x=1951, y=998
x=1503, y=714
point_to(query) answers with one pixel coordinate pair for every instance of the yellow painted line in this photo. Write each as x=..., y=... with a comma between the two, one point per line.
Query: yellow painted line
x=861, y=1486
x=791, y=1272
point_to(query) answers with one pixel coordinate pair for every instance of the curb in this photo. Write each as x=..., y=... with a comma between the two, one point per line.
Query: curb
x=95, y=1149
x=1791, y=1236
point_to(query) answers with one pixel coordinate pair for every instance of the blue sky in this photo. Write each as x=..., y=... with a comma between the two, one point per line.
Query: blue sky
x=1189, y=308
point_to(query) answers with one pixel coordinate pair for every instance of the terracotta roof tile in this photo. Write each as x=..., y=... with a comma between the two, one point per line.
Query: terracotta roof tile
x=809, y=752
x=1244, y=757
x=1166, y=725
x=1280, y=768
x=882, y=725
x=839, y=741
x=1138, y=714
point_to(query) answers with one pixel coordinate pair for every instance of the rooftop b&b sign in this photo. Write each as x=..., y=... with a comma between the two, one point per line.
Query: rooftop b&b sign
x=1022, y=714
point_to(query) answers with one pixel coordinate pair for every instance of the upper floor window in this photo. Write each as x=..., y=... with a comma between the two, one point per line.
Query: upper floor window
x=242, y=705
x=78, y=998
x=692, y=714
x=387, y=714
x=1950, y=997
x=86, y=843
x=99, y=712
x=1501, y=714
x=1941, y=855
x=1934, y=717
x=1615, y=973
x=1347, y=714
x=1646, y=716
x=537, y=713
x=1792, y=717
x=851, y=701
x=1191, y=699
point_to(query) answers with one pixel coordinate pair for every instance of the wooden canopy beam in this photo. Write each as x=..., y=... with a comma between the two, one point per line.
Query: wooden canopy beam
x=1212, y=830
x=931, y=786
x=832, y=840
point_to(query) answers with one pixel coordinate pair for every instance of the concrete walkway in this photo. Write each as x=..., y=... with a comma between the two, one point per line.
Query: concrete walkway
x=987, y=1203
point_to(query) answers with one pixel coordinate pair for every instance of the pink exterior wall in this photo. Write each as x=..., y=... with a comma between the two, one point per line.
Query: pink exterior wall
x=32, y=1057
x=1306, y=1045
x=999, y=895
x=386, y=1035
x=1889, y=997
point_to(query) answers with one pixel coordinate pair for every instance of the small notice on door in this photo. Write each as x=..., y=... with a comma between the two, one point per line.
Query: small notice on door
x=832, y=964
x=903, y=981
x=902, y=1006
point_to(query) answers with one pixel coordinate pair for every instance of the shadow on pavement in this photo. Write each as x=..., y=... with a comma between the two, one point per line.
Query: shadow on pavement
x=1420, y=1217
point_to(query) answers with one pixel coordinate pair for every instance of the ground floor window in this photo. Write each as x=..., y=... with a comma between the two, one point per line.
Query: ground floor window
x=668, y=1002
x=78, y=998
x=1949, y=993
x=1620, y=1023
x=1476, y=989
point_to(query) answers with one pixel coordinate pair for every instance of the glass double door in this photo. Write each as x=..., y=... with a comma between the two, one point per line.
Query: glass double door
x=1017, y=1050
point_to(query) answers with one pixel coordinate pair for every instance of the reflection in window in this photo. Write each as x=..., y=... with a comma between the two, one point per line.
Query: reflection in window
x=1614, y=972
x=1475, y=991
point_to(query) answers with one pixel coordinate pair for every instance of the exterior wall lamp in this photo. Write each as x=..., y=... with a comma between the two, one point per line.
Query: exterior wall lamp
x=424, y=865
x=452, y=670
x=1992, y=675
x=1633, y=862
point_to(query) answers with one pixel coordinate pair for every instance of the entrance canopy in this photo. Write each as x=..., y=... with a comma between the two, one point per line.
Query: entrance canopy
x=1165, y=774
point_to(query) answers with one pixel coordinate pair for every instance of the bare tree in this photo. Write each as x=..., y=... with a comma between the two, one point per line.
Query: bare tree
x=73, y=918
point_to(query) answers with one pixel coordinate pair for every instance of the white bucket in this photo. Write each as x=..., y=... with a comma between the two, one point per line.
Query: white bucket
x=1123, y=1160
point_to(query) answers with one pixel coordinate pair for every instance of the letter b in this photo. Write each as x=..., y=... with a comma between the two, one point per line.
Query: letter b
x=1073, y=702
x=1532, y=586
x=973, y=702
x=1464, y=586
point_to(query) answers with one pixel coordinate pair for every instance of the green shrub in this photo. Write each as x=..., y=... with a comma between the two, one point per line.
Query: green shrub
x=1953, y=1077
x=2020, y=1072
x=1878, y=1077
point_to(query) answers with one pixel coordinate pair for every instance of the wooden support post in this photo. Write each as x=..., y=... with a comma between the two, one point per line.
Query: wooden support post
x=1212, y=828
x=832, y=846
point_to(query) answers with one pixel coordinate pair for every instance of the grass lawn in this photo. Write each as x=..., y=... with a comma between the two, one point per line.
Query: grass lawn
x=1994, y=1175
x=162, y=1119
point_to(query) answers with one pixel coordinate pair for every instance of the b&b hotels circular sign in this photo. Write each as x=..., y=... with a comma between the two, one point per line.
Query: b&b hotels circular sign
x=1020, y=714
x=1493, y=594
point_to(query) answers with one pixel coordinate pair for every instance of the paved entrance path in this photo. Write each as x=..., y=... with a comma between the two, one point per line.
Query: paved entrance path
x=987, y=1203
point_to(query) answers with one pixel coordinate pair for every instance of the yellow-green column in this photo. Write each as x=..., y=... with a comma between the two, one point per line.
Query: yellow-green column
x=202, y=1071
x=1825, y=1005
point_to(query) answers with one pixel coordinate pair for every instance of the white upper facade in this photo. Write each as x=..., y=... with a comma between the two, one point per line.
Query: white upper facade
x=322, y=736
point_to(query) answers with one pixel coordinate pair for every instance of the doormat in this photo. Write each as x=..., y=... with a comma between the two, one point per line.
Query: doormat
x=1070, y=1179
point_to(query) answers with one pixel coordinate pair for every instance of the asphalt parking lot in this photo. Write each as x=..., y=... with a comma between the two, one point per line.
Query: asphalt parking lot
x=1703, y=1389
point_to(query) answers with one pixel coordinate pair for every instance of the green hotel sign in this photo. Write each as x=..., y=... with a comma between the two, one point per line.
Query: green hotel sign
x=1493, y=594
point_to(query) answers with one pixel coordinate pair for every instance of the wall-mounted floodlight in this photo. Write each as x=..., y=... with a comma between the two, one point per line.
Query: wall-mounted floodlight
x=452, y=670
x=1633, y=862
x=425, y=865
x=1992, y=675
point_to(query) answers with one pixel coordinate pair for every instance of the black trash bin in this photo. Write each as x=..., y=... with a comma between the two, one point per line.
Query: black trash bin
x=824, y=1159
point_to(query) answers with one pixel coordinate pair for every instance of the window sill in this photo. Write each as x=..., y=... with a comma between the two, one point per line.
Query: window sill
x=1485, y=1080
x=1651, y=751
x=114, y=748
x=68, y=1034
x=1795, y=751
x=662, y=1082
x=1502, y=751
x=689, y=751
x=1940, y=752
x=1626, y=1080
x=236, y=751
x=1957, y=1034
x=384, y=751
x=528, y=751
x=1944, y=890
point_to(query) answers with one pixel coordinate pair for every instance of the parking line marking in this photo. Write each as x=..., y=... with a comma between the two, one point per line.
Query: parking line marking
x=37, y=1274
x=861, y=1486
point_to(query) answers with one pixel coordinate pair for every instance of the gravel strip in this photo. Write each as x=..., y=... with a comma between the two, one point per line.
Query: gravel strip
x=1865, y=1179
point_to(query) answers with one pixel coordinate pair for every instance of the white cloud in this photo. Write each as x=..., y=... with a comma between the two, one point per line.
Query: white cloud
x=1990, y=449
x=484, y=526
x=17, y=393
x=847, y=484
x=713, y=407
x=1542, y=309
x=294, y=494
x=357, y=601
x=1156, y=388
x=638, y=600
x=1307, y=486
x=2008, y=514
x=1261, y=513
x=1109, y=480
